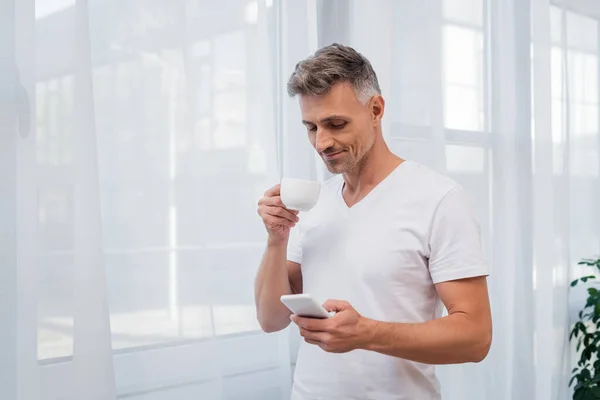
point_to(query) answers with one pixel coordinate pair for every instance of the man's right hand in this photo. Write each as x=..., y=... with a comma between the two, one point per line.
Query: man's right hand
x=278, y=220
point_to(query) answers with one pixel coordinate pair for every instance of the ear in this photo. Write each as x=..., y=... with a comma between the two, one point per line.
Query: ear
x=377, y=109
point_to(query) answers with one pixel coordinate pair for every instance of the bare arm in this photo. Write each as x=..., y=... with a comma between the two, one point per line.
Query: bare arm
x=463, y=336
x=276, y=275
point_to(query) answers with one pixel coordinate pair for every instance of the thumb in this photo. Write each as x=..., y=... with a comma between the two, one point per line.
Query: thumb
x=336, y=305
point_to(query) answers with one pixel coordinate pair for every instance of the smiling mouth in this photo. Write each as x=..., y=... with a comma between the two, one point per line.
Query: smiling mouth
x=332, y=156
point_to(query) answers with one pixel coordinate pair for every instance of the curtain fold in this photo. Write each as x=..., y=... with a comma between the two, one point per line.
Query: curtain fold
x=92, y=348
x=8, y=203
x=28, y=377
x=136, y=138
x=551, y=302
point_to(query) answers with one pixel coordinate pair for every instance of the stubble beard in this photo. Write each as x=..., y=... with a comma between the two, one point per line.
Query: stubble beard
x=343, y=166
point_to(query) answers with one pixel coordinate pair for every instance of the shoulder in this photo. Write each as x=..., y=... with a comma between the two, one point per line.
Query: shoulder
x=428, y=183
x=449, y=206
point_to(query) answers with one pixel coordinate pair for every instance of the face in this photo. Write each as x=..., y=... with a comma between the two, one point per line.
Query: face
x=340, y=128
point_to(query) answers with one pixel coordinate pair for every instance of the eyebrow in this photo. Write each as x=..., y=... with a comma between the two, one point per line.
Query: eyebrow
x=328, y=119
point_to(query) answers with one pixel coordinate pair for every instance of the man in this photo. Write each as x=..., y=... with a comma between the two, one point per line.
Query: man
x=388, y=242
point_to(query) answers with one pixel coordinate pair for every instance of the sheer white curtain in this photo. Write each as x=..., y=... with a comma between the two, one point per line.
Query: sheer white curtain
x=136, y=136
x=129, y=234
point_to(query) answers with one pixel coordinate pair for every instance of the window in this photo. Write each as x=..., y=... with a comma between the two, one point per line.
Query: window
x=463, y=65
x=580, y=95
x=179, y=165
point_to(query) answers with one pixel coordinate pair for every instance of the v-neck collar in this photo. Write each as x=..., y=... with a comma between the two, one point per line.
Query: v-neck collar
x=372, y=193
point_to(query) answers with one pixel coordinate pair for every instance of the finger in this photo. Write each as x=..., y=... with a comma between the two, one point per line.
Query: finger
x=281, y=212
x=274, y=191
x=310, y=324
x=273, y=221
x=320, y=337
x=278, y=212
x=272, y=201
x=336, y=305
x=316, y=343
x=275, y=201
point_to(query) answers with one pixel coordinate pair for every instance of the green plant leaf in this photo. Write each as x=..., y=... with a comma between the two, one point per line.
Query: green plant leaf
x=580, y=394
x=574, y=282
x=595, y=391
x=574, y=331
x=590, y=301
x=592, y=291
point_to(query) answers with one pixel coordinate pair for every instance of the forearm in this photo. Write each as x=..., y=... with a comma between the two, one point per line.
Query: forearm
x=272, y=281
x=449, y=340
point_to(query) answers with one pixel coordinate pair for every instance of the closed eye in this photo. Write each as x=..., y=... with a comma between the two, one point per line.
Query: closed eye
x=332, y=124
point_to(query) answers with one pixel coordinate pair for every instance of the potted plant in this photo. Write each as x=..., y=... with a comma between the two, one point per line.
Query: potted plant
x=586, y=331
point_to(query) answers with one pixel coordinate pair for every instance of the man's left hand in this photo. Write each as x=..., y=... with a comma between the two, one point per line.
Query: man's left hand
x=345, y=331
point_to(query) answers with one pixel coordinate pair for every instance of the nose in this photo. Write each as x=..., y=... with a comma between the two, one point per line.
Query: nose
x=324, y=140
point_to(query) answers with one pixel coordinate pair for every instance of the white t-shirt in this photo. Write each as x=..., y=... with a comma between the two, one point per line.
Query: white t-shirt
x=382, y=255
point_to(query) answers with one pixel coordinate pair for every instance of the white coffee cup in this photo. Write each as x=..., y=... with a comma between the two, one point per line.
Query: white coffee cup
x=299, y=194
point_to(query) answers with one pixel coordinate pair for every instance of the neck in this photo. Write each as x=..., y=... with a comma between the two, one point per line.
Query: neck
x=377, y=164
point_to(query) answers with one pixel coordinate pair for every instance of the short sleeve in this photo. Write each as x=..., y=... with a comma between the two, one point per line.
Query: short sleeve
x=455, y=247
x=294, y=249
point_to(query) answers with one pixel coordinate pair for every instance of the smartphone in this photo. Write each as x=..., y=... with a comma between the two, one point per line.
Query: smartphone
x=303, y=305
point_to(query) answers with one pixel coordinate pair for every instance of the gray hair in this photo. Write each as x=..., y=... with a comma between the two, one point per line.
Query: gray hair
x=335, y=63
